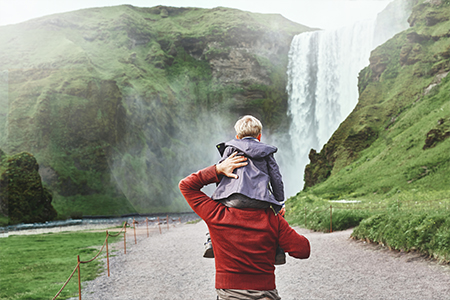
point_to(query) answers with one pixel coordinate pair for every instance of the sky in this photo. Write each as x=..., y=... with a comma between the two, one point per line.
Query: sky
x=324, y=14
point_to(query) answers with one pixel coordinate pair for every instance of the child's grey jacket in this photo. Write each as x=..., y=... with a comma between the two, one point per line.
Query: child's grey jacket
x=254, y=178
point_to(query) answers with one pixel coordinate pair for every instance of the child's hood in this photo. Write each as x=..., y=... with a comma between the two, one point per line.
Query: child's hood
x=252, y=147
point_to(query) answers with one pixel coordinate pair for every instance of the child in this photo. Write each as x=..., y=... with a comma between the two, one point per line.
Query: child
x=259, y=184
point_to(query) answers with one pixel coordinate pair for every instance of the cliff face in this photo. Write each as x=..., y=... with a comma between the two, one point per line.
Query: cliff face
x=118, y=103
x=401, y=119
x=23, y=198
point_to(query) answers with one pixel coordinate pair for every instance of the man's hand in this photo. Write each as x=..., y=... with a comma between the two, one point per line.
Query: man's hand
x=229, y=164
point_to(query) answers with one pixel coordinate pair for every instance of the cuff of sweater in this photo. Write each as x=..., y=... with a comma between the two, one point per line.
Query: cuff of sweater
x=210, y=175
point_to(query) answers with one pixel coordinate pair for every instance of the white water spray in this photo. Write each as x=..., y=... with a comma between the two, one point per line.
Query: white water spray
x=323, y=88
x=323, y=83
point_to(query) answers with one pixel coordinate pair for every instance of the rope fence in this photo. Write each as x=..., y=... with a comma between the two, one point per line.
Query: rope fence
x=123, y=230
x=398, y=205
x=443, y=203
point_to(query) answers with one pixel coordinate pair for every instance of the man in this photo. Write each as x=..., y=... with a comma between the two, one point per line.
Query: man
x=244, y=239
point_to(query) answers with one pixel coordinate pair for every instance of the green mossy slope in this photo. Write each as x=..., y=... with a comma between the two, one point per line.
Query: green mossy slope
x=23, y=198
x=118, y=103
x=386, y=169
x=396, y=139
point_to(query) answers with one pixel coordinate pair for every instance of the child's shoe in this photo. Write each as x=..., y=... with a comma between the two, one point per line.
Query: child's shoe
x=280, y=258
x=209, y=253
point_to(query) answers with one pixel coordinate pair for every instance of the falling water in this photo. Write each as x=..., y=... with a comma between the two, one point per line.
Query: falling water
x=323, y=85
x=322, y=81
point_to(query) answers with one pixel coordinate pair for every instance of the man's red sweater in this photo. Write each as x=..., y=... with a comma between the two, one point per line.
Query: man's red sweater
x=244, y=240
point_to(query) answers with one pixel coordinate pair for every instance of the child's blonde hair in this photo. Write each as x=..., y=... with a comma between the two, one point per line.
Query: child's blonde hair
x=248, y=126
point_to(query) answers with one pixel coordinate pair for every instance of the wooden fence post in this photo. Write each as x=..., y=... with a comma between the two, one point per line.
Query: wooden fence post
x=107, y=253
x=134, y=227
x=125, y=239
x=331, y=218
x=79, y=278
x=305, y=216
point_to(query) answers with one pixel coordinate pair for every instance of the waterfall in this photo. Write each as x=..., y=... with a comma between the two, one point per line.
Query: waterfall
x=323, y=87
x=323, y=83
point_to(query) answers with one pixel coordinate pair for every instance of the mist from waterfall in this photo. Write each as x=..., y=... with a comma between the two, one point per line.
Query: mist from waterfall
x=323, y=84
x=322, y=87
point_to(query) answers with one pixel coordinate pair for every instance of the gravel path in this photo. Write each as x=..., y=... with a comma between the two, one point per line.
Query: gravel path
x=170, y=266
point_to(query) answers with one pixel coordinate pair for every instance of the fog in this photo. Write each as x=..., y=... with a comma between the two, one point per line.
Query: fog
x=192, y=136
x=325, y=14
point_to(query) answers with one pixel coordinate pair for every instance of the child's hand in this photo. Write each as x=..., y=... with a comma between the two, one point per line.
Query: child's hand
x=229, y=164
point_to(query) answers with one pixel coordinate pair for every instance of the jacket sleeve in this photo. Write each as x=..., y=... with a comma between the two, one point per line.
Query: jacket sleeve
x=291, y=242
x=276, y=180
x=191, y=187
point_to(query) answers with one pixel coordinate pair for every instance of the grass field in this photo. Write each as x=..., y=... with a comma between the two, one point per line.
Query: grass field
x=36, y=266
x=406, y=221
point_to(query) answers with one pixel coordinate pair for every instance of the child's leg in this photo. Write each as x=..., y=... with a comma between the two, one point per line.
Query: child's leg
x=280, y=257
x=209, y=253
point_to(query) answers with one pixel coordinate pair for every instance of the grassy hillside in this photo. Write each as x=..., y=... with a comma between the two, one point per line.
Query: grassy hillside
x=118, y=103
x=396, y=139
x=387, y=167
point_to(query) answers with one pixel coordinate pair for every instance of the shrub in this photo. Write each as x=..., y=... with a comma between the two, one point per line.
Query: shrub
x=427, y=232
x=318, y=218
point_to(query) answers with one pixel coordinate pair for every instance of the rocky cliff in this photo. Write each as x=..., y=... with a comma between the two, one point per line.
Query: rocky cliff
x=118, y=103
x=397, y=136
x=23, y=198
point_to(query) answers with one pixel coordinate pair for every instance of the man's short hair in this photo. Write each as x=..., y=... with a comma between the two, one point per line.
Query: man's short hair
x=248, y=126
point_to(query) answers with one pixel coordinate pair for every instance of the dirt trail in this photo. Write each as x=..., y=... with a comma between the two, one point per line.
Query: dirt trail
x=170, y=266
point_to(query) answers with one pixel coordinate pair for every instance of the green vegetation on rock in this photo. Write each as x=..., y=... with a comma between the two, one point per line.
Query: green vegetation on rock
x=118, y=103
x=391, y=154
x=23, y=198
x=397, y=136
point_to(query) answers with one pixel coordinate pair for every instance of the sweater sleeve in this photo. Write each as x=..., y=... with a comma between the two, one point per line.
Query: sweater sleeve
x=291, y=242
x=276, y=180
x=191, y=187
